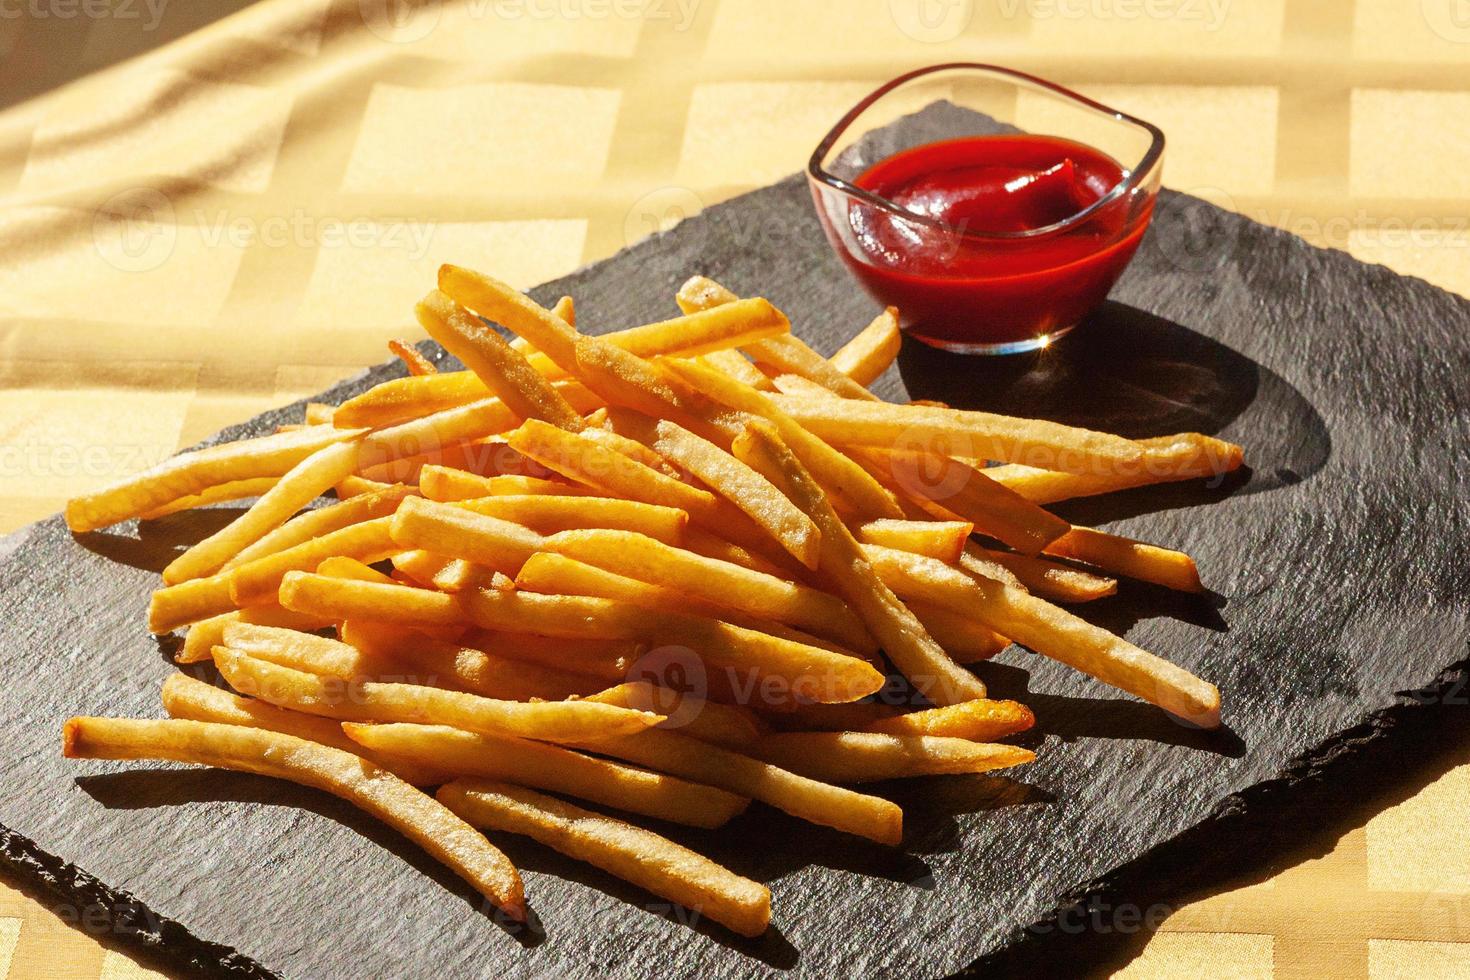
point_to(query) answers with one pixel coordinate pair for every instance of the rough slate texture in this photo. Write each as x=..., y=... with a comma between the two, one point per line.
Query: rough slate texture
x=1338, y=561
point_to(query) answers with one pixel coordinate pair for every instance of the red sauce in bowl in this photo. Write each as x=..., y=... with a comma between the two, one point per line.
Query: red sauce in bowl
x=957, y=287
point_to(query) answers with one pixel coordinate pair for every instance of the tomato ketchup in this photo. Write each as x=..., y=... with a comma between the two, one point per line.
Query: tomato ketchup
x=976, y=280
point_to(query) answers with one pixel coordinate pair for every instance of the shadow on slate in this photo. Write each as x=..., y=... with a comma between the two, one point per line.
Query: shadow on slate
x=1339, y=585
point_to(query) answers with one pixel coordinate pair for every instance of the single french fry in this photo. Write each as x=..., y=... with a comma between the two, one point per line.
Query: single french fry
x=709, y=721
x=306, y=481
x=340, y=599
x=1124, y=556
x=419, y=567
x=702, y=293
x=722, y=583
x=788, y=354
x=1048, y=579
x=978, y=721
x=1165, y=459
x=554, y=768
x=206, y=634
x=358, y=486
x=865, y=357
x=418, y=817
x=463, y=666
x=503, y=370
x=448, y=485
x=963, y=638
x=813, y=801
x=702, y=541
x=550, y=721
x=412, y=358
x=864, y=757
x=224, y=493
x=944, y=540
x=912, y=650
x=302, y=651
x=457, y=532
x=189, y=602
x=955, y=432
x=900, y=569
x=549, y=573
x=550, y=513
x=323, y=520
x=946, y=488
x=795, y=384
x=766, y=506
x=192, y=473
x=628, y=447
x=461, y=576
x=796, y=670
x=737, y=366
x=400, y=399
x=852, y=488
x=192, y=700
x=651, y=862
x=611, y=472
x=258, y=582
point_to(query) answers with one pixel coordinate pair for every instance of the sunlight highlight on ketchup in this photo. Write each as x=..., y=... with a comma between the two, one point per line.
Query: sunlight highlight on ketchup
x=954, y=288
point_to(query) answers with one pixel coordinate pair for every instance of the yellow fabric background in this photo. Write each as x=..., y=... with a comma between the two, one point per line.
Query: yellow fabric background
x=247, y=213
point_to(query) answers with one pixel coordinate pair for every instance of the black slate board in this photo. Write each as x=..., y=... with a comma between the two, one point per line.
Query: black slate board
x=1337, y=560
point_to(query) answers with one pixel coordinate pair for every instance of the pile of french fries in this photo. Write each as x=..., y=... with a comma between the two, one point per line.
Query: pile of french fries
x=663, y=571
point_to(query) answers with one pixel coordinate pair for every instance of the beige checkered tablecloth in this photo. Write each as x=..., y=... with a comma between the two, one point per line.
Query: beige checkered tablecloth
x=247, y=211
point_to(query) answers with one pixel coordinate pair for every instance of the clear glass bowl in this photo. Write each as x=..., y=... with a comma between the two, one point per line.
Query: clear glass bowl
x=973, y=291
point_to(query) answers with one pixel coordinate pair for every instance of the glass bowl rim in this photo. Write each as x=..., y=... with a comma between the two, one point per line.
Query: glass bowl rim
x=1146, y=164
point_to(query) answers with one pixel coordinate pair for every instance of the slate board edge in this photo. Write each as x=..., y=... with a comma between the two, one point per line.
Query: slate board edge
x=1184, y=863
x=170, y=941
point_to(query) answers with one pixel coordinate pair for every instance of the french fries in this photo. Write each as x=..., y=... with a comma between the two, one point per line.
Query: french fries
x=952, y=432
x=268, y=753
x=554, y=768
x=723, y=583
x=865, y=757
x=193, y=473
x=503, y=370
x=774, y=666
x=191, y=700
x=766, y=506
x=664, y=570
x=550, y=513
x=709, y=721
x=307, y=480
x=1135, y=559
x=813, y=801
x=551, y=721
x=1165, y=459
x=866, y=356
x=912, y=650
x=604, y=469
x=652, y=862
